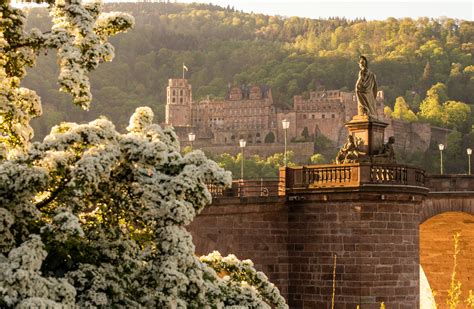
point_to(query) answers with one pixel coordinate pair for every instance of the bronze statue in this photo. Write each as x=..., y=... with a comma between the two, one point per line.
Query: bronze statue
x=366, y=91
x=349, y=152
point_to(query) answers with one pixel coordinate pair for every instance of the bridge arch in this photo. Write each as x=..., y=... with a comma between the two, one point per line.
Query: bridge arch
x=439, y=203
x=437, y=249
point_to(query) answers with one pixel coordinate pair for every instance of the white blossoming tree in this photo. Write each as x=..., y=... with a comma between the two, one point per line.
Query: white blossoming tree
x=90, y=217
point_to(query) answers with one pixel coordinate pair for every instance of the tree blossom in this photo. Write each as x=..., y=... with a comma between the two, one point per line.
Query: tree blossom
x=90, y=217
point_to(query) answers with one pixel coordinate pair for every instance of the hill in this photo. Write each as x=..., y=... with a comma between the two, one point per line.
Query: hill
x=292, y=55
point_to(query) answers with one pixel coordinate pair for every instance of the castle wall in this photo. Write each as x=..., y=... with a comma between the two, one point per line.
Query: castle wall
x=409, y=136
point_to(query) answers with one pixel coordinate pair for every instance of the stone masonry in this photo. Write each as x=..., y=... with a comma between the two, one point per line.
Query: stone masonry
x=375, y=237
x=374, y=233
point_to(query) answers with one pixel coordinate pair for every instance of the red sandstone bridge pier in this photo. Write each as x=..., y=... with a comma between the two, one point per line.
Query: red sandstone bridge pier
x=368, y=215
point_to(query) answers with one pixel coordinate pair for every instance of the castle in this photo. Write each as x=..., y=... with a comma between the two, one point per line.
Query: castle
x=248, y=112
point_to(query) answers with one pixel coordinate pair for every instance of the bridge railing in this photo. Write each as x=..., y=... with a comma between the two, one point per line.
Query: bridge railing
x=260, y=187
x=450, y=183
x=330, y=176
x=309, y=177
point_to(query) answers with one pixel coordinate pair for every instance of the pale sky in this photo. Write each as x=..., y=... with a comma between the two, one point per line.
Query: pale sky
x=370, y=10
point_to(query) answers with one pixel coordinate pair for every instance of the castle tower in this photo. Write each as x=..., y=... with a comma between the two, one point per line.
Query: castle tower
x=179, y=97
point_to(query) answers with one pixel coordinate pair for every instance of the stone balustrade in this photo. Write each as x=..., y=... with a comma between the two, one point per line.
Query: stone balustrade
x=307, y=178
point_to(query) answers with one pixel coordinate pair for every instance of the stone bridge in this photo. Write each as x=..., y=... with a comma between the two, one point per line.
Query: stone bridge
x=355, y=231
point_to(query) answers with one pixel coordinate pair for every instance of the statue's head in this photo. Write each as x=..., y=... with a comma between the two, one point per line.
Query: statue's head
x=391, y=140
x=363, y=63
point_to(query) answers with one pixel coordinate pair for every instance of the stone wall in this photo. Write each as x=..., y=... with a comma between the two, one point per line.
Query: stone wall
x=376, y=243
x=250, y=228
x=374, y=236
x=409, y=137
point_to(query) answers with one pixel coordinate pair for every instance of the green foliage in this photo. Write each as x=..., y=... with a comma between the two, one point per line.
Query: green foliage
x=437, y=110
x=402, y=111
x=457, y=115
x=455, y=152
x=318, y=158
x=292, y=55
x=254, y=167
x=269, y=138
x=430, y=108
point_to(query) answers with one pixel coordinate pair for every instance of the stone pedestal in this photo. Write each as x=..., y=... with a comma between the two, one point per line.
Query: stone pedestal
x=370, y=131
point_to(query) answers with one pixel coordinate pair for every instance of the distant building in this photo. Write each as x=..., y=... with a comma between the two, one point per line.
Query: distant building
x=179, y=97
x=245, y=113
x=248, y=112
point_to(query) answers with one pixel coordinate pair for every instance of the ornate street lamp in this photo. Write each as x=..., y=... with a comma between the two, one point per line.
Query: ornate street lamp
x=469, y=153
x=242, y=143
x=286, y=125
x=192, y=138
x=441, y=148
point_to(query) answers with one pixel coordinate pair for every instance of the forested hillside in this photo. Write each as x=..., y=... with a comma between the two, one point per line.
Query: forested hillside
x=292, y=55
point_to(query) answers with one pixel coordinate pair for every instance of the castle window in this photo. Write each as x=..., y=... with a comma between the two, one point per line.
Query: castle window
x=304, y=116
x=173, y=100
x=181, y=92
x=333, y=116
x=312, y=116
x=323, y=116
x=174, y=92
x=180, y=100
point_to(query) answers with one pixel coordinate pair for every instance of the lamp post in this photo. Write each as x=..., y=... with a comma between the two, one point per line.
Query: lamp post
x=441, y=148
x=469, y=153
x=242, y=143
x=286, y=125
x=192, y=138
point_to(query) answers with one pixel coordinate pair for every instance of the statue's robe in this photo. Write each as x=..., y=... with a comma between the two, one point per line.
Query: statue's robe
x=366, y=91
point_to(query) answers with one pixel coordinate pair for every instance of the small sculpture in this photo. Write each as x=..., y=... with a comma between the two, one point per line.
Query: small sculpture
x=350, y=151
x=366, y=91
x=387, y=154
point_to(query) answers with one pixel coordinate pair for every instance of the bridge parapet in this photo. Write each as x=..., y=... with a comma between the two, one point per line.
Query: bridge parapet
x=450, y=183
x=312, y=178
x=261, y=187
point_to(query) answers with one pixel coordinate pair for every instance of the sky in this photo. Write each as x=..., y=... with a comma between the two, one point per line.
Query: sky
x=351, y=9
